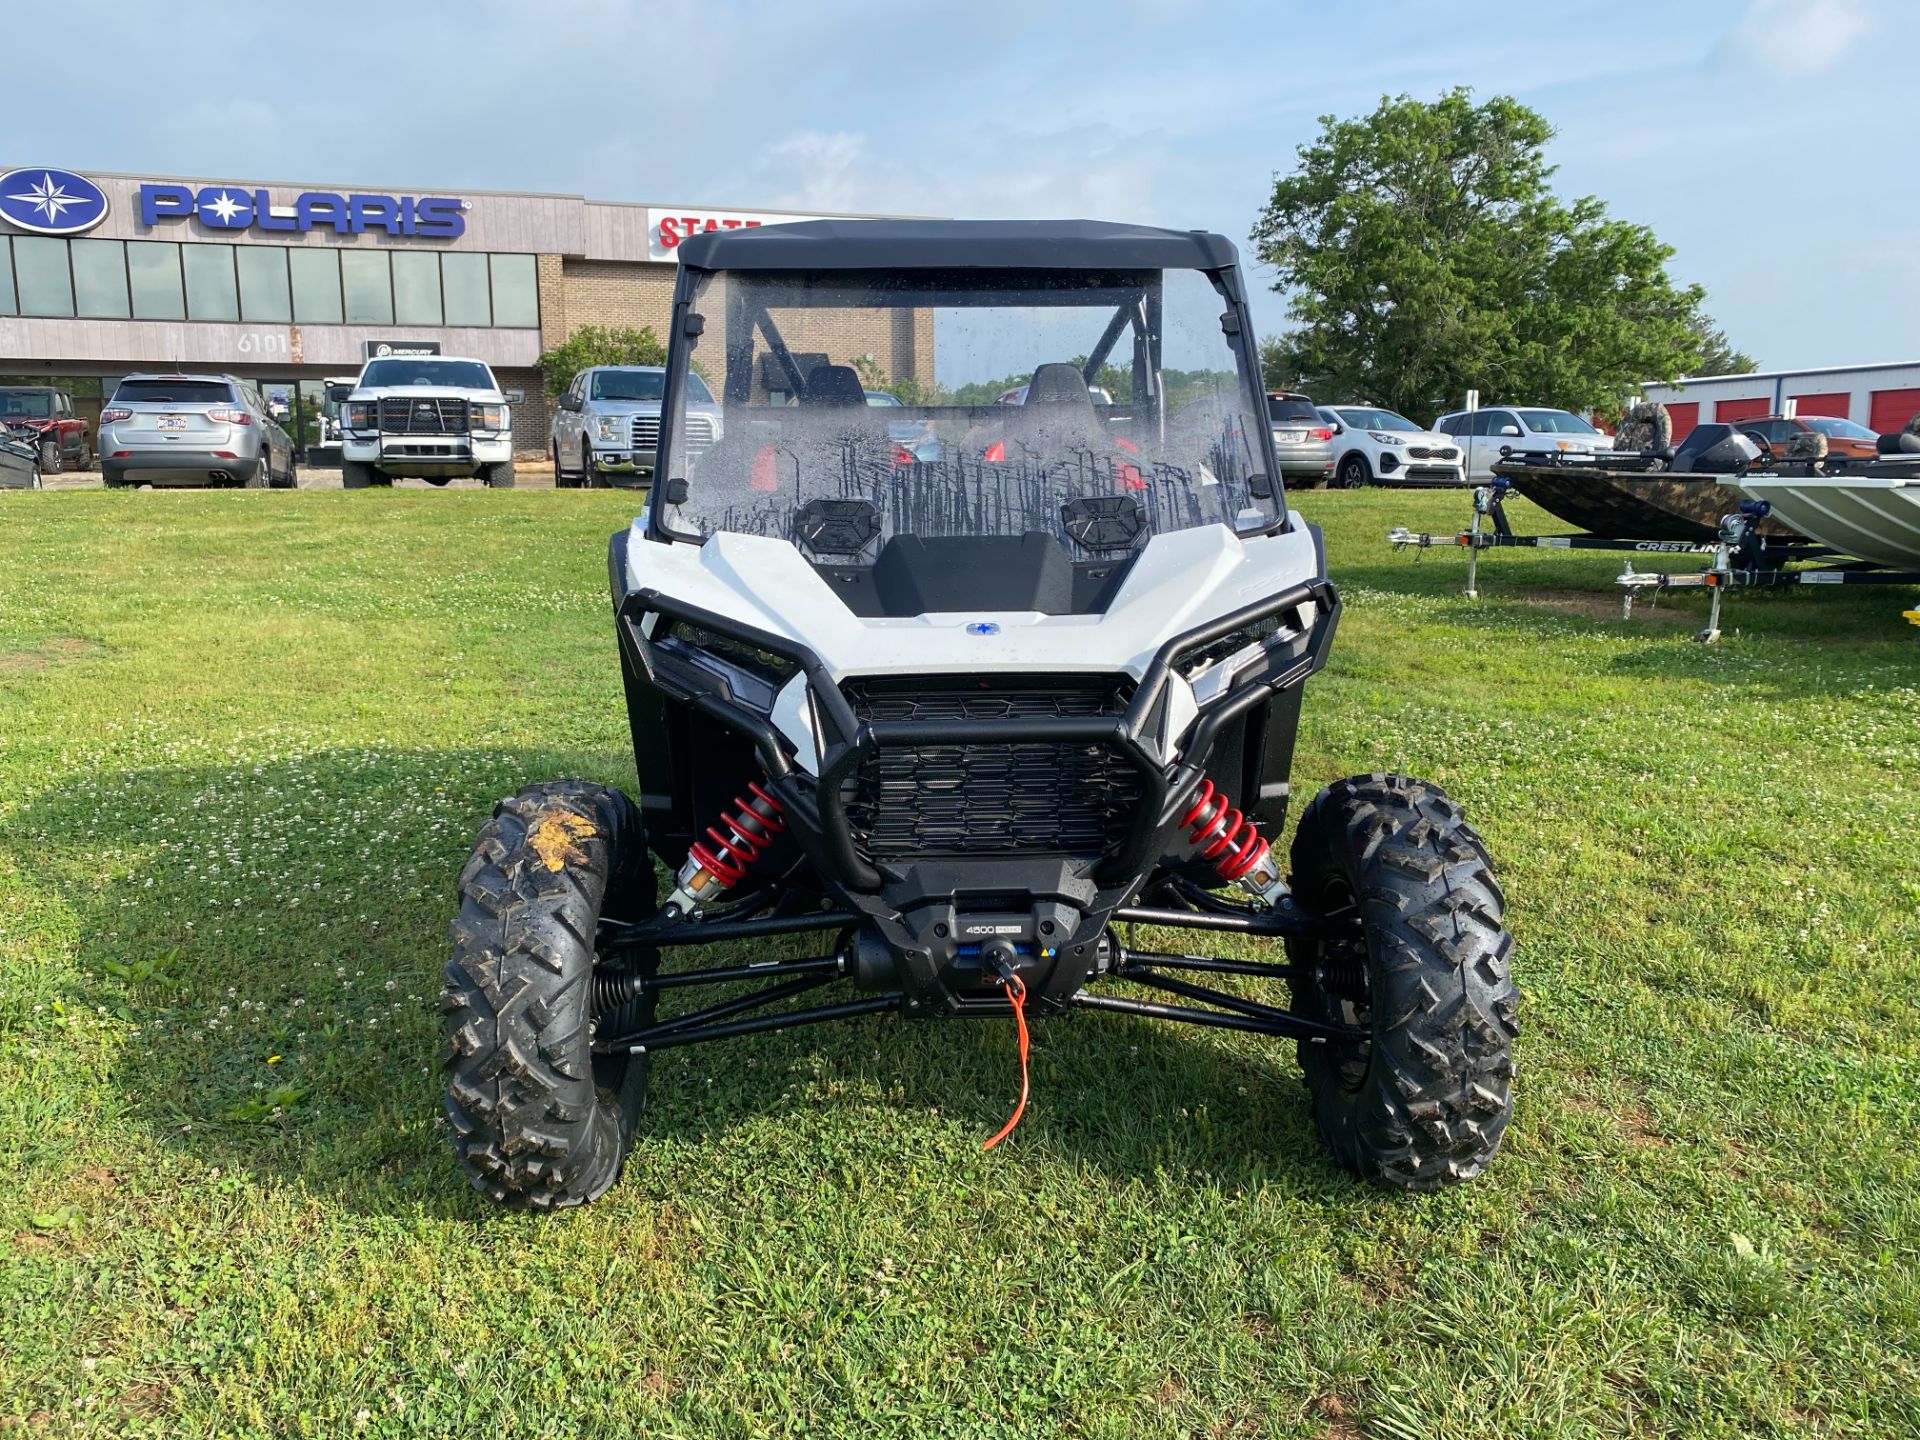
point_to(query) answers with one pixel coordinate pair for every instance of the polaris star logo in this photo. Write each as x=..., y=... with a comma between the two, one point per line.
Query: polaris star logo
x=983, y=627
x=51, y=202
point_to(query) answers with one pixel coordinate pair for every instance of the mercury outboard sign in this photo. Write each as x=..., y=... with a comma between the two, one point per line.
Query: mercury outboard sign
x=232, y=207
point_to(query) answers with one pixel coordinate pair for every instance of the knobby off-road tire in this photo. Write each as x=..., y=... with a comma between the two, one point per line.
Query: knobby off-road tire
x=1424, y=1102
x=539, y=1121
x=497, y=477
x=355, y=475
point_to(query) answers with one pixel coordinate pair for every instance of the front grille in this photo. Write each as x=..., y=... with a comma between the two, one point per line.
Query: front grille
x=986, y=799
x=1432, y=452
x=698, y=428
x=422, y=415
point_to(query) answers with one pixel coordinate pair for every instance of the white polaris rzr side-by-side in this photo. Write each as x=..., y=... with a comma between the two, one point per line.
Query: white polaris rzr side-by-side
x=965, y=716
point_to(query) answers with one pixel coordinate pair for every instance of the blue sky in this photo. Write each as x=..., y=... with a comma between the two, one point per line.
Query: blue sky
x=1766, y=140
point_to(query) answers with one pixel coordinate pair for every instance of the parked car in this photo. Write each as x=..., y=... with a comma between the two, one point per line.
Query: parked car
x=607, y=424
x=1494, y=431
x=1302, y=439
x=193, y=430
x=1374, y=446
x=19, y=458
x=1844, y=437
x=62, y=438
x=432, y=417
x=916, y=437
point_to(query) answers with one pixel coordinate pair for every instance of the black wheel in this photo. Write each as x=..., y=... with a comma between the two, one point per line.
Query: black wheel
x=84, y=460
x=115, y=479
x=561, y=480
x=290, y=478
x=1353, y=472
x=51, y=461
x=539, y=1120
x=355, y=475
x=497, y=477
x=1424, y=1101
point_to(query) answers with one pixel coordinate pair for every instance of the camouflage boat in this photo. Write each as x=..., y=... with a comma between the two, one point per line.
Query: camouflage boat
x=1634, y=504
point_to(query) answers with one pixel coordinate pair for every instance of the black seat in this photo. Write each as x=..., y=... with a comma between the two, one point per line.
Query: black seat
x=1058, y=415
x=833, y=386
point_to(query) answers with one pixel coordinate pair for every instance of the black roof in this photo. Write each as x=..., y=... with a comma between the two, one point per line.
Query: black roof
x=957, y=244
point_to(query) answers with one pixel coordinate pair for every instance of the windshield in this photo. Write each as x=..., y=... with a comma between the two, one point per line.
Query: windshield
x=25, y=405
x=1839, y=429
x=628, y=384
x=416, y=370
x=173, y=392
x=1556, y=422
x=1362, y=419
x=796, y=453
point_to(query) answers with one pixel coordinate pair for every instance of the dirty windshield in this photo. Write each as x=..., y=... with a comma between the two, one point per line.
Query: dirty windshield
x=1096, y=407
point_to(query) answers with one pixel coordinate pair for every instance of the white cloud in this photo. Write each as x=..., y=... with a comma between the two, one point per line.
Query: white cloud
x=1801, y=37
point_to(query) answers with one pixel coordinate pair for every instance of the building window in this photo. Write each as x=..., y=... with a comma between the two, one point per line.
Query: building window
x=369, y=288
x=316, y=286
x=40, y=270
x=263, y=284
x=416, y=287
x=100, y=279
x=154, y=268
x=6, y=277
x=211, y=292
x=516, y=292
x=464, y=279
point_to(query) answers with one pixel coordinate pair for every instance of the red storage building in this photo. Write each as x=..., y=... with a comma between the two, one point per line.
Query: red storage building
x=1892, y=409
x=1883, y=397
x=1746, y=408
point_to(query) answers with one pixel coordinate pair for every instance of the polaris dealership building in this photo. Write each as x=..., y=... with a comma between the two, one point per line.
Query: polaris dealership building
x=288, y=283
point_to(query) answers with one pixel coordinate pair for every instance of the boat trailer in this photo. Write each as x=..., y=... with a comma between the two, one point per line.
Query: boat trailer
x=1740, y=557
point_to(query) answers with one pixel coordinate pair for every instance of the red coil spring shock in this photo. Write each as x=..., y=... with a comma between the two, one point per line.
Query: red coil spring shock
x=750, y=830
x=738, y=839
x=1225, y=837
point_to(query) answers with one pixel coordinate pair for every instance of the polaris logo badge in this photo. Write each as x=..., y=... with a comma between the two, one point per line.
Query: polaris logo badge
x=983, y=627
x=51, y=202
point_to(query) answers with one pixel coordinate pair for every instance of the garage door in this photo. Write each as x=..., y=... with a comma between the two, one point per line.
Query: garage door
x=1892, y=409
x=1685, y=415
x=1731, y=411
x=1839, y=402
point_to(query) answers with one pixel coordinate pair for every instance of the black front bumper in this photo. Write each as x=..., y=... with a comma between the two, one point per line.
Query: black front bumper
x=913, y=905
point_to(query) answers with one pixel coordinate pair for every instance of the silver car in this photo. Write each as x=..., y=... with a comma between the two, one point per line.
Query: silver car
x=193, y=430
x=1302, y=440
x=607, y=424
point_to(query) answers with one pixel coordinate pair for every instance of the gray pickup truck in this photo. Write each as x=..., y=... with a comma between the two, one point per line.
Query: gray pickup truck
x=606, y=426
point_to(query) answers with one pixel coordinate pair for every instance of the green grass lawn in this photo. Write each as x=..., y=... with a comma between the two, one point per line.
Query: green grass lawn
x=246, y=739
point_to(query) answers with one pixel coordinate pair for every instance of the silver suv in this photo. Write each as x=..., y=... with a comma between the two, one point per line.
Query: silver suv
x=1493, y=432
x=193, y=430
x=607, y=424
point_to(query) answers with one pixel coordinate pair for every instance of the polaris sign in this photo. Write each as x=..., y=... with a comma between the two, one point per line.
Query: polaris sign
x=232, y=207
x=51, y=202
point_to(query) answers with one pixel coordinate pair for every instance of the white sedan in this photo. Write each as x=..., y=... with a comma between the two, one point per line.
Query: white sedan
x=1372, y=446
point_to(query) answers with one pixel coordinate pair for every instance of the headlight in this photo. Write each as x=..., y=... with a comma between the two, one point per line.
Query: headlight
x=1384, y=438
x=611, y=427
x=363, y=415
x=489, y=417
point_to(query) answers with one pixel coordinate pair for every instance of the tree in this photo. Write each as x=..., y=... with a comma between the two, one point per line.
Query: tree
x=598, y=345
x=1426, y=256
x=1716, y=355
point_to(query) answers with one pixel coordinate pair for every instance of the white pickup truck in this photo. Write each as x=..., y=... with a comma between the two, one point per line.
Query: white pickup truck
x=436, y=417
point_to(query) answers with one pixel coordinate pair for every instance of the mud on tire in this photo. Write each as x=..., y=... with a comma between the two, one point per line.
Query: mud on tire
x=537, y=1120
x=1424, y=1102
